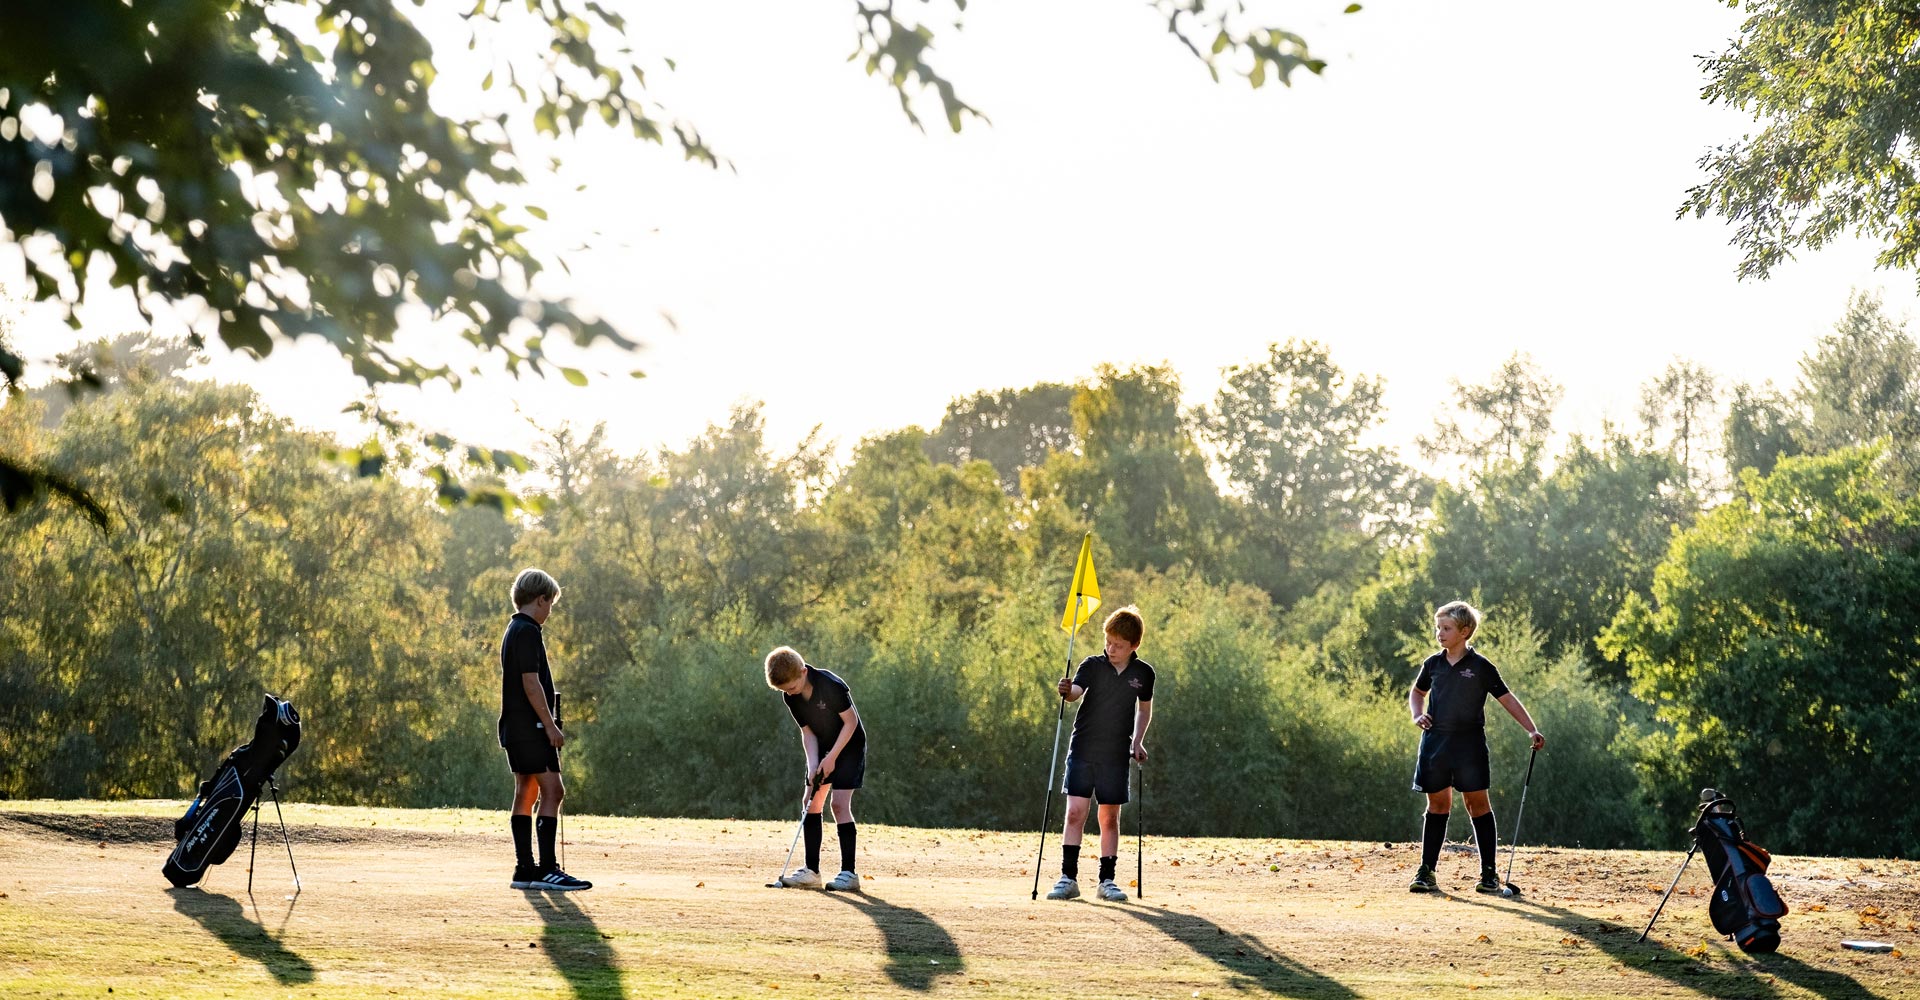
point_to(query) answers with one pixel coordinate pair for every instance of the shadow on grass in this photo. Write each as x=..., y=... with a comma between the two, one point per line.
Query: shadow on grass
x=915, y=943
x=576, y=948
x=226, y=919
x=1619, y=942
x=1252, y=963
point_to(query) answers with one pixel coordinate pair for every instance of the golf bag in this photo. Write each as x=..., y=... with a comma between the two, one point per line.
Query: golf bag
x=210, y=830
x=1744, y=906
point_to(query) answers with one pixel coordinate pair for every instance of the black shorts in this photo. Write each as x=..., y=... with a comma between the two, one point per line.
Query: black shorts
x=1104, y=783
x=1453, y=760
x=528, y=757
x=850, y=770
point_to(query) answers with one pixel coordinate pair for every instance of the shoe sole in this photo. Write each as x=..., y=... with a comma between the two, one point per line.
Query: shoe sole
x=1491, y=891
x=522, y=885
x=1423, y=888
x=562, y=888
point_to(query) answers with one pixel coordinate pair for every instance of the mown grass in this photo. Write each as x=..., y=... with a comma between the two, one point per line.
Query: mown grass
x=414, y=902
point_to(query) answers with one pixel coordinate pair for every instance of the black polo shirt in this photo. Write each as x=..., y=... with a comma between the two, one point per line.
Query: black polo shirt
x=1458, y=692
x=820, y=712
x=523, y=652
x=1103, y=728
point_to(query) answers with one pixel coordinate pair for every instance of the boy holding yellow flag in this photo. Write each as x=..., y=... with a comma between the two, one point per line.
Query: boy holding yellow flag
x=1109, y=731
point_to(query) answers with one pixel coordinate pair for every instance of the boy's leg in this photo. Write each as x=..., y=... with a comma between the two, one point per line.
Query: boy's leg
x=1480, y=808
x=1109, y=840
x=812, y=831
x=842, y=802
x=552, y=790
x=525, y=791
x=1071, y=833
x=1434, y=834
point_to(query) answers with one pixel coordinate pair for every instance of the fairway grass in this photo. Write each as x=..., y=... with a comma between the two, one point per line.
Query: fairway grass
x=415, y=903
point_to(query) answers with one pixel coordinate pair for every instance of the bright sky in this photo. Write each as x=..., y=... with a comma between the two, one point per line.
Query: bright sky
x=1465, y=181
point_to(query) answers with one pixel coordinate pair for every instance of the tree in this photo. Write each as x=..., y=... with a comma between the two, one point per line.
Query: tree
x=1780, y=648
x=1862, y=384
x=1507, y=418
x=1011, y=429
x=1833, y=82
x=1141, y=482
x=1317, y=503
x=1680, y=399
x=1762, y=427
x=281, y=167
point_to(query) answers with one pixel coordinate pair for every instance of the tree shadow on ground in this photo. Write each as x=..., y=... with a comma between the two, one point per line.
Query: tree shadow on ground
x=919, y=951
x=226, y=919
x=1621, y=943
x=577, y=949
x=1251, y=962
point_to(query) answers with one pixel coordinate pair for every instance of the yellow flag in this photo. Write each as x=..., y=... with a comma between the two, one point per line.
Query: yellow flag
x=1084, y=597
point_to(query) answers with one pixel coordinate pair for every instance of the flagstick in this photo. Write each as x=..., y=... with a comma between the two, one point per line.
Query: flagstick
x=1046, y=815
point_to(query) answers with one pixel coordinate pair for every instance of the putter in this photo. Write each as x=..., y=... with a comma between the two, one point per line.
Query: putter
x=813, y=785
x=1509, y=889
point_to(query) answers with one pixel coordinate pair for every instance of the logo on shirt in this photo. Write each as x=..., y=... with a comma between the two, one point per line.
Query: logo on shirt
x=1134, y=684
x=821, y=705
x=1466, y=672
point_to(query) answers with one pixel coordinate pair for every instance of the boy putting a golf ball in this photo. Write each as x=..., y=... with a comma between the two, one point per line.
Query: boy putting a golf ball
x=1448, y=702
x=822, y=706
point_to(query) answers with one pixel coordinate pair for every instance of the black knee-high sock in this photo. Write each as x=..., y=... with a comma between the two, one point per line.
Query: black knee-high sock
x=1070, y=860
x=1106, y=868
x=1432, y=837
x=1483, y=835
x=812, y=835
x=522, y=840
x=846, y=845
x=544, y=828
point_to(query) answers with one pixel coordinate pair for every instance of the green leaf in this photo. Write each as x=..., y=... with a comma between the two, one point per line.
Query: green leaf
x=537, y=212
x=487, y=84
x=1352, y=8
x=574, y=375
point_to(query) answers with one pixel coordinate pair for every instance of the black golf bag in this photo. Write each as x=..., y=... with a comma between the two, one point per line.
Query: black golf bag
x=1744, y=906
x=210, y=830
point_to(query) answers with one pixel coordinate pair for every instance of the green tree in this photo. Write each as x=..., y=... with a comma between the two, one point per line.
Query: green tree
x=1780, y=648
x=1679, y=401
x=1141, y=480
x=1508, y=418
x=1316, y=503
x=1861, y=384
x=1010, y=429
x=1831, y=81
x=1762, y=427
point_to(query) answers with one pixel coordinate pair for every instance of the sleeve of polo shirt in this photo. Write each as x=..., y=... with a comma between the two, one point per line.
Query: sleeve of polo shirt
x=1146, y=688
x=523, y=653
x=839, y=698
x=1495, y=686
x=1083, y=677
x=1424, y=682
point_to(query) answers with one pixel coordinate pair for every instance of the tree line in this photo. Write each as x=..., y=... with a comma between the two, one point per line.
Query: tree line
x=1721, y=593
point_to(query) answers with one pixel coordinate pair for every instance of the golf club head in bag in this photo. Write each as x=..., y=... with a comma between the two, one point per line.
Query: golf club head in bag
x=208, y=833
x=1744, y=905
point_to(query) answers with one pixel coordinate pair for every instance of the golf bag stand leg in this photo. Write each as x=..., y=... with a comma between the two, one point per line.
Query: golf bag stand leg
x=1669, y=893
x=254, y=851
x=274, y=790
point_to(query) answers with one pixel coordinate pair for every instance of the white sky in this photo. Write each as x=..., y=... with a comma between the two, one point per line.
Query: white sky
x=1466, y=180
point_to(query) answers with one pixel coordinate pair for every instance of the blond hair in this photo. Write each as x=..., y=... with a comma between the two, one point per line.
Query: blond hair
x=1127, y=624
x=1463, y=614
x=783, y=665
x=531, y=585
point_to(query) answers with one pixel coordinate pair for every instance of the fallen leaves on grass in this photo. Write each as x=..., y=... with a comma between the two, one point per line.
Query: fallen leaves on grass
x=699, y=885
x=1483, y=939
x=1817, y=908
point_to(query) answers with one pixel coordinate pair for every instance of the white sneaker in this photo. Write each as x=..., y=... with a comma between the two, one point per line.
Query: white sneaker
x=844, y=882
x=1112, y=893
x=1066, y=888
x=803, y=878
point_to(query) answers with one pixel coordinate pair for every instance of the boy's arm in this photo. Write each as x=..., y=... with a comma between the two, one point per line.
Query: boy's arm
x=1142, y=718
x=1070, y=691
x=849, y=723
x=810, y=745
x=537, y=697
x=1417, y=704
x=1511, y=702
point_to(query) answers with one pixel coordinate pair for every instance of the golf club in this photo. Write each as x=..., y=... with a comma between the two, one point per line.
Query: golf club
x=806, y=800
x=1140, y=834
x=1046, y=813
x=1508, y=888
